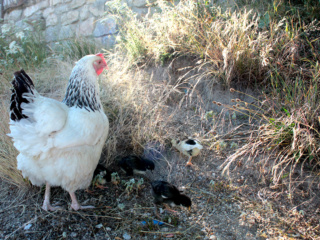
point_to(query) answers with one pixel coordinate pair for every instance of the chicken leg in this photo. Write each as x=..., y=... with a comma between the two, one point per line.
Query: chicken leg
x=169, y=209
x=189, y=162
x=46, y=203
x=75, y=205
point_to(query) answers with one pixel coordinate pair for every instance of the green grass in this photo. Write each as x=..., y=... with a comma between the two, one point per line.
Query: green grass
x=22, y=46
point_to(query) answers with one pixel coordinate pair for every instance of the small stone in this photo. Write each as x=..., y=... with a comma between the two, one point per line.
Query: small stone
x=64, y=235
x=99, y=225
x=28, y=226
x=73, y=234
x=121, y=206
x=126, y=236
x=108, y=229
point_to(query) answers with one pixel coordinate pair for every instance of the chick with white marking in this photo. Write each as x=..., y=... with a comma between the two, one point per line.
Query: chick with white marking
x=189, y=147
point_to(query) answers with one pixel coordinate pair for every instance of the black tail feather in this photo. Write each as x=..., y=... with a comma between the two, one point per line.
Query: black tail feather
x=21, y=83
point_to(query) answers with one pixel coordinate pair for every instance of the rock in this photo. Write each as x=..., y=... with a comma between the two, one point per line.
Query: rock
x=97, y=12
x=14, y=15
x=86, y=27
x=52, y=33
x=126, y=236
x=35, y=8
x=55, y=2
x=70, y=17
x=99, y=225
x=84, y=12
x=28, y=226
x=77, y=3
x=47, y=12
x=105, y=27
x=67, y=31
x=61, y=9
x=51, y=20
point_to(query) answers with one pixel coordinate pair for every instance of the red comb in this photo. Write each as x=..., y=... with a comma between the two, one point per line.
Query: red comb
x=100, y=55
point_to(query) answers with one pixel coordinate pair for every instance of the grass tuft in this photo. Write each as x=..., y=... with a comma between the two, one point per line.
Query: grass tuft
x=8, y=164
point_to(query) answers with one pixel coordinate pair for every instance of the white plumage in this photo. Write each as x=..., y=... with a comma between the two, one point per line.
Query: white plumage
x=189, y=147
x=60, y=143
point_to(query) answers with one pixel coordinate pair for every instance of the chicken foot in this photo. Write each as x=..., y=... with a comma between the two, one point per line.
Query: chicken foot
x=75, y=205
x=46, y=203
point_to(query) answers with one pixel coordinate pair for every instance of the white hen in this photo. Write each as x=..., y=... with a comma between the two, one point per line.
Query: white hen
x=60, y=143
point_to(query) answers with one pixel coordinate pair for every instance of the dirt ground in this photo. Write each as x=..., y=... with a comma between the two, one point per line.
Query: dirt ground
x=243, y=205
x=215, y=213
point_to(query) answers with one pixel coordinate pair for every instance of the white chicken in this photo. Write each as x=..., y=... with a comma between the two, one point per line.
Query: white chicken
x=60, y=143
x=189, y=147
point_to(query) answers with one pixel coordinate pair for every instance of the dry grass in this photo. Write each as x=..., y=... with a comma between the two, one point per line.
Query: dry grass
x=232, y=45
x=8, y=153
x=283, y=139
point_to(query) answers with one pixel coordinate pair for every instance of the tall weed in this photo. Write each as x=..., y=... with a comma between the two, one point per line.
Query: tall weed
x=22, y=47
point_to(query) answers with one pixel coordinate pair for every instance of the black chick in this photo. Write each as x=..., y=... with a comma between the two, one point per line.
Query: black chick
x=136, y=165
x=164, y=192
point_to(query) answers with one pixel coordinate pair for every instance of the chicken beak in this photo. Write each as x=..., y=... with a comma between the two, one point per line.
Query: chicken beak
x=189, y=208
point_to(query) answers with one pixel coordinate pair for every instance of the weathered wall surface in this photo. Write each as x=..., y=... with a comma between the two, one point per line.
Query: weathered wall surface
x=62, y=19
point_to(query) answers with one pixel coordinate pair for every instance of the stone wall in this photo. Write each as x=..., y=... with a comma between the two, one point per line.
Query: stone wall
x=62, y=19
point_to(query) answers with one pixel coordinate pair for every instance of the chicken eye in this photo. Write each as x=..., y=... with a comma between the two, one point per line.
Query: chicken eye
x=99, y=62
